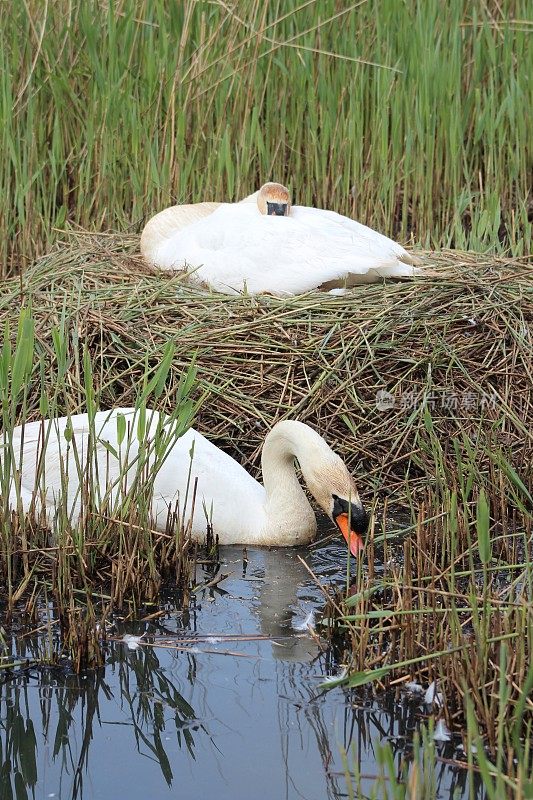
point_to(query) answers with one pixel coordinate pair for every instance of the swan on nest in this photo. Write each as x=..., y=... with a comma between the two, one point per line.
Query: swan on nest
x=264, y=244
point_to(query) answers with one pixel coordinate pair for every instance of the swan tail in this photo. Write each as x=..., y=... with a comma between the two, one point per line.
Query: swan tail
x=401, y=269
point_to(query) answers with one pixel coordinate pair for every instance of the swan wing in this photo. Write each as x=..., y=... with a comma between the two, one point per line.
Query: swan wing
x=173, y=219
x=390, y=258
x=225, y=492
x=53, y=458
x=236, y=249
x=361, y=234
x=42, y=449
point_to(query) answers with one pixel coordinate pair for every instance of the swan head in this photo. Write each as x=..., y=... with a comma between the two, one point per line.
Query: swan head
x=352, y=520
x=325, y=474
x=273, y=199
x=334, y=489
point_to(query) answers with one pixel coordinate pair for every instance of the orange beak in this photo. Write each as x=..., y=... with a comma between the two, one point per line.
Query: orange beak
x=354, y=541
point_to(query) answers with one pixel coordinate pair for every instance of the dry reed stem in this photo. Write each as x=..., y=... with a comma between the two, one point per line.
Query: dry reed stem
x=464, y=332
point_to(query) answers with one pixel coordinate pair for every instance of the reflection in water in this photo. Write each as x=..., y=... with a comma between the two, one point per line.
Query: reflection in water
x=163, y=722
x=69, y=712
x=281, y=573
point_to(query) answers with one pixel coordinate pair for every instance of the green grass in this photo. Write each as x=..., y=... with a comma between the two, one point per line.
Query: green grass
x=451, y=601
x=449, y=597
x=112, y=544
x=454, y=604
x=409, y=116
x=420, y=775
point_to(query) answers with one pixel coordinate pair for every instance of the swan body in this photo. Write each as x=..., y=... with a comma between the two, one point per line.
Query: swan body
x=171, y=220
x=240, y=509
x=269, y=246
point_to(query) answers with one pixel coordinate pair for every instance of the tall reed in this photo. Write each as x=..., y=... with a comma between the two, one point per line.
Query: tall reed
x=404, y=115
x=454, y=605
x=95, y=531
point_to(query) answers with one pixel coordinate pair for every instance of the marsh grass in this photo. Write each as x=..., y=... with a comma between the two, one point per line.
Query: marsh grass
x=110, y=546
x=407, y=118
x=413, y=777
x=420, y=772
x=454, y=604
x=448, y=597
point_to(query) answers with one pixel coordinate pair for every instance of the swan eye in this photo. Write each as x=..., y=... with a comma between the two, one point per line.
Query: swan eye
x=276, y=209
x=340, y=506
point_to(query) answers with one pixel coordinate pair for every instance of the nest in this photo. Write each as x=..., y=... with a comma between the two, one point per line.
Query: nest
x=386, y=373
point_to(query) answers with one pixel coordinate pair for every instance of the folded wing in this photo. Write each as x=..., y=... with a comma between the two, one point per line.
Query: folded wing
x=235, y=249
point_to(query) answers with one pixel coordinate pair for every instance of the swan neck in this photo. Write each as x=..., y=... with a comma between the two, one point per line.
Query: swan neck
x=287, y=506
x=278, y=467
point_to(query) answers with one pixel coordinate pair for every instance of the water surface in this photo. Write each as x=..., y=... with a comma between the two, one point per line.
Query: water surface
x=232, y=720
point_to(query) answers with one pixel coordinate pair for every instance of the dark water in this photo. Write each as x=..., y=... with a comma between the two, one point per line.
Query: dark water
x=158, y=722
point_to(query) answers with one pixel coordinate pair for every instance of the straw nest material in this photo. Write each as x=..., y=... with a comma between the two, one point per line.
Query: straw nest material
x=453, y=349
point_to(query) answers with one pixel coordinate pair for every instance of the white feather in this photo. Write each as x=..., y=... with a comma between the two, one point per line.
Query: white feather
x=413, y=687
x=237, y=249
x=334, y=678
x=307, y=624
x=132, y=642
x=441, y=732
x=432, y=696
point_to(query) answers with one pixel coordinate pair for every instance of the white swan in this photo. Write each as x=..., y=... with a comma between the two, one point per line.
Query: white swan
x=269, y=246
x=242, y=511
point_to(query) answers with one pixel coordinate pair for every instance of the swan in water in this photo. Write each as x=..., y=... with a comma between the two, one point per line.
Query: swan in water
x=241, y=510
x=263, y=244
